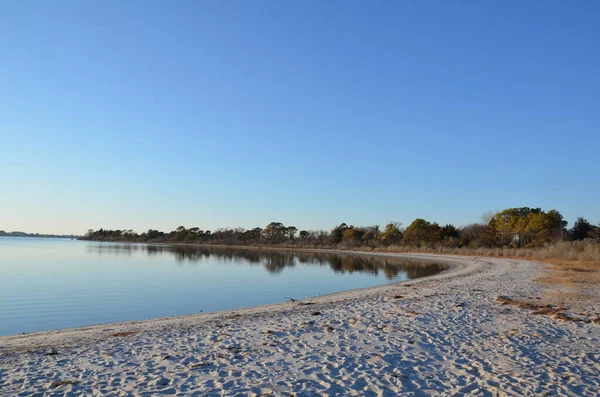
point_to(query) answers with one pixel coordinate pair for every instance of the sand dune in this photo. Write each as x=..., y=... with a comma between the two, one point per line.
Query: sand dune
x=444, y=335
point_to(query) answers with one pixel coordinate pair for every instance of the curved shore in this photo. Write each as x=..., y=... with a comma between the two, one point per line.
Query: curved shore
x=62, y=337
x=440, y=334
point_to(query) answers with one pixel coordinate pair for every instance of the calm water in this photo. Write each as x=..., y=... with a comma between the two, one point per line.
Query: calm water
x=53, y=283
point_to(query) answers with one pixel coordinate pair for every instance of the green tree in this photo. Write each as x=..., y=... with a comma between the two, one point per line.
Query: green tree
x=526, y=226
x=392, y=234
x=581, y=229
x=449, y=231
x=352, y=235
x=370, y=233
x=420, y=231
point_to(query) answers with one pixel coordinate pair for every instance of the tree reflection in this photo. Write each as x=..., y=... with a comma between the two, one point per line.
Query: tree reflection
x=276, y=261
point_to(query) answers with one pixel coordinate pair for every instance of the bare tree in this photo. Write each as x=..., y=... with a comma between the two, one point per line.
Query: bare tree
x=487, y=216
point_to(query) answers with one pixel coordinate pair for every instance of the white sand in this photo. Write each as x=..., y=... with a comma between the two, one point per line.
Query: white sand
x=447, y=335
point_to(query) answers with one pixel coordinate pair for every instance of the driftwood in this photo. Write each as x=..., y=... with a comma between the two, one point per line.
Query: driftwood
x=300, y=302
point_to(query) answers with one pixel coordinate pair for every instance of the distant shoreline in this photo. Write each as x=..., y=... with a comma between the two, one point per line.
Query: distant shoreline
x=27, y=235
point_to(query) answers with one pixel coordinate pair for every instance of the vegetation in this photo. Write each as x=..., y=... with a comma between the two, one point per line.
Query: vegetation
x=526, y=232
x=23, y=234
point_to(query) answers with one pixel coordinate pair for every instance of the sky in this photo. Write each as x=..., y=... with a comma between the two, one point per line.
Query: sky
x=154, y=114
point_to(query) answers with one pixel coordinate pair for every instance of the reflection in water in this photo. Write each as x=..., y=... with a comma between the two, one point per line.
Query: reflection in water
x=276, y=261
x=56, y=284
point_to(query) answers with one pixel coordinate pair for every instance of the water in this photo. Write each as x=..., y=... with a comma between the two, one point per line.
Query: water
x=56, y=283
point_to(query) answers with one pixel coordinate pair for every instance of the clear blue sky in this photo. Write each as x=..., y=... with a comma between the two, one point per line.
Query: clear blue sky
x=155, y=114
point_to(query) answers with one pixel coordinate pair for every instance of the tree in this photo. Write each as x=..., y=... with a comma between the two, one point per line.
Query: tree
x=557, y=224
x=154, y=234
x=526, y=226
x=370, y=233
x=290, y=232
x=392, y=234
x=487, y=216
x=581, y=229
x=420, y=231
x=253, y=234
x=510, y=225
x=179, y=233
x=336, y=235
x=475, y=235
x=449, y=231
x=274, y=232
x=352, y=235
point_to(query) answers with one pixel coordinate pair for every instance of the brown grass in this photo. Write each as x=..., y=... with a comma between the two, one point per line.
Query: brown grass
x=563, y=271
x=583, y=252
x=573, y=283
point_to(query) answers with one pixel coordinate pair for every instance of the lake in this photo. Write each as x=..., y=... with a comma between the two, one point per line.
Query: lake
x=50, y=284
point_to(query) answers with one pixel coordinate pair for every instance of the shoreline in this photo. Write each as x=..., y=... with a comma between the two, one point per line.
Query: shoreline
x=66, y=336
x=446, y=334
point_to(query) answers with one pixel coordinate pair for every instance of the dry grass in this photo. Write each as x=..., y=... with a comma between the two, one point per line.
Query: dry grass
x=585, y=252
x=561, y=271
x=575, y=284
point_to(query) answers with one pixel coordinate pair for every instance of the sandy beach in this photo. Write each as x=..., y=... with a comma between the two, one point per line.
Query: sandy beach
x=443, y=335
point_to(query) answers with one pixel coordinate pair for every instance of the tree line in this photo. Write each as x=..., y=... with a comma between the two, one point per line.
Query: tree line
x=23, y=234
x=512, y=227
